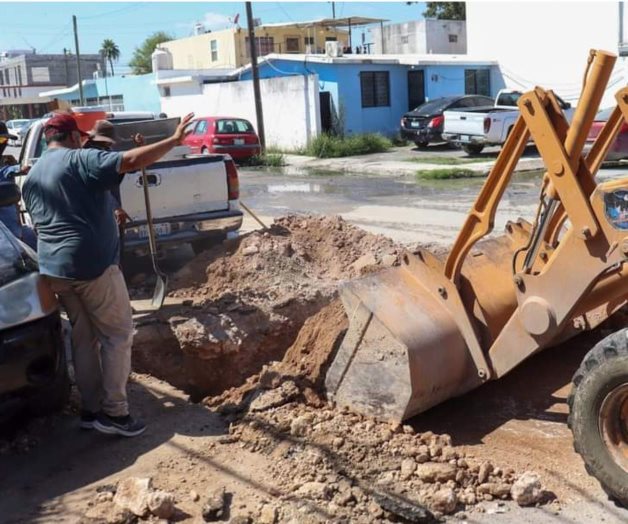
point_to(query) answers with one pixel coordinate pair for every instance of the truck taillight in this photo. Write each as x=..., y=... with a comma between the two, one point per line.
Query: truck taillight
x=233, y=182
x=487, y=124
x=436, y=121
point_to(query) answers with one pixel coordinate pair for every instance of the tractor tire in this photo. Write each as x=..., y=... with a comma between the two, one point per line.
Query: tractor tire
x=472, y=149
x=54, y=396
x=421, y=144
x=598, y=414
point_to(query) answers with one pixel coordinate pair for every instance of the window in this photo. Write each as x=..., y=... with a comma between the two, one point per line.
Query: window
x=292, y=44
x=213, y=46
x=330, y=39
x=375, y=87
x=453, y=39
x=476, y=82
x=404, y=39
x=308, y=40
x=201, y=128
x=263, y=45
x=166, y=91
x=233, y=126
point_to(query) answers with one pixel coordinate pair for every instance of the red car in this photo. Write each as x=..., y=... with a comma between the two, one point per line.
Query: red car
x=619, y=149
x=223, y=135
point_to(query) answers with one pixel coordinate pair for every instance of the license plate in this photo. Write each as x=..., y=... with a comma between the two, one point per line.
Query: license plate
x=465, y=138
x=160, y=230
x=238, y=141
x=414, y=124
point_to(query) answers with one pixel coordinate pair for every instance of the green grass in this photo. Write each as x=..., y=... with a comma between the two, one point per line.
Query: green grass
x=328, y=146
x=447, y=173
x=446, y=160
x=267, y=159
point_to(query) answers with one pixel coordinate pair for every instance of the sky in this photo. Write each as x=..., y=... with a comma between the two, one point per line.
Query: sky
x=47, y=26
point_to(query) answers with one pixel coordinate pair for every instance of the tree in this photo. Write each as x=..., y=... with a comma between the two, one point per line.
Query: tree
x=445, y=10
x=141, y=61
x=110, y=51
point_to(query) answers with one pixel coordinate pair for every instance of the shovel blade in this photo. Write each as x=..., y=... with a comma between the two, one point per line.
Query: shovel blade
x=159, y=294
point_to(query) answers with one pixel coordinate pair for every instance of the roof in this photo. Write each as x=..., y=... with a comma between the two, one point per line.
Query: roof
x=352, y=21
x=65, y=90
x=416, y=60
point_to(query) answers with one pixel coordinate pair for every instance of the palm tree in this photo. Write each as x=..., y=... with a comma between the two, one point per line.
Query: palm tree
x=110, y=51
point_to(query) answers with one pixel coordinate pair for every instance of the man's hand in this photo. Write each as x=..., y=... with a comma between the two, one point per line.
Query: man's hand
x=181, y=133
x=121, y=216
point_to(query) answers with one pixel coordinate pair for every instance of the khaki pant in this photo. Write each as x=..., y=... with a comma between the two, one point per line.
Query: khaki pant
x=102, y=336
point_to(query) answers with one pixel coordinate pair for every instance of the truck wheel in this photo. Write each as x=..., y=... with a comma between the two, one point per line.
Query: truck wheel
x=421, y=144
x=598, y=414
x=55, y=395
x=472, y=149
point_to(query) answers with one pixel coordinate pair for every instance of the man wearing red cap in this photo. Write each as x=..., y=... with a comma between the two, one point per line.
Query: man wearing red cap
x=67, y=194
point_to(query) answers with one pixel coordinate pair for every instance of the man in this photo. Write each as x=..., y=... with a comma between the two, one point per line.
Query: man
x=67, y=195
x=9, y=215
x=102, y=136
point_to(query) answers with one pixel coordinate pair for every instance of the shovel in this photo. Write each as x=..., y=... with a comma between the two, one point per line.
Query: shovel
x=159, y=295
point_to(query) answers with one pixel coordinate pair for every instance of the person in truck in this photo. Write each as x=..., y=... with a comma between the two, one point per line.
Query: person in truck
x=10, y=215
x=67, y=194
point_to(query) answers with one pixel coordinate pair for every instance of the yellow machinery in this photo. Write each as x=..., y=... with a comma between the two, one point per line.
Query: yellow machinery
x=433, y=329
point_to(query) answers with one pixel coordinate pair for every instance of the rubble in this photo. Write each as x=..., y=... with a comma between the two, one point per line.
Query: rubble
x=215, y=505
x=527, y=489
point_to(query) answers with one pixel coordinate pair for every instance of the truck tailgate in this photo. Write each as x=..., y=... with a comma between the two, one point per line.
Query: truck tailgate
x=464, y=122
x=178, y=187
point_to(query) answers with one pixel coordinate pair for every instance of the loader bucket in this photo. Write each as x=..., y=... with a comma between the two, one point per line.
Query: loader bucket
x=403, y=351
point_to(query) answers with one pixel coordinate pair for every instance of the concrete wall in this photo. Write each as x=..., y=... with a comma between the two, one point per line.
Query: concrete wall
x=290, y=105
x=194, y=52
x=420, y=37
x=546, y=43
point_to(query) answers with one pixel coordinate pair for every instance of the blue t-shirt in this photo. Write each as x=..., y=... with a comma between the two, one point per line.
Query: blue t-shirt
x=8, y=214
x=67, y=193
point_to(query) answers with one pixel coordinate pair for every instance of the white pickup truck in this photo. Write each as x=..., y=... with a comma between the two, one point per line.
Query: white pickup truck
x=476, y=128
x=194, y=198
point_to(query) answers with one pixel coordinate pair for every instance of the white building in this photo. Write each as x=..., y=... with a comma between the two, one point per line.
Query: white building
x=547, y=43
x=422, y=37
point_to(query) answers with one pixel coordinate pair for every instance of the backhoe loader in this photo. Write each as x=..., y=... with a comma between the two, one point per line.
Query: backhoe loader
x=433, y=328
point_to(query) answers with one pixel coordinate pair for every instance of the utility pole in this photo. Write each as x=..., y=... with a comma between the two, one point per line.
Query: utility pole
x=65, y=61
x=333, y=10
x=256, y=89
x=78, y=62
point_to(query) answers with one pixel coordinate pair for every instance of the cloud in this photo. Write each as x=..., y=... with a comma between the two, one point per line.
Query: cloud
x=215, y=21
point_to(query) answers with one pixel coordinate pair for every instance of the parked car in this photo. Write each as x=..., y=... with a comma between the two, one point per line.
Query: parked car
x=15, y=127
x=619, y=149
x=33, y=369
x=195, y=199
x=224, y=135
x=476, y=128
x=424, y=124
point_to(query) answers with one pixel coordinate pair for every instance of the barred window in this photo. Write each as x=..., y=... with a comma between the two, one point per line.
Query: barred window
x=375, y=87
x=477, y=82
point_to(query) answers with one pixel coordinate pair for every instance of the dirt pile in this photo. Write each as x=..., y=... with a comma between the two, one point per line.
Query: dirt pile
x=353, y=469
x=243, y=306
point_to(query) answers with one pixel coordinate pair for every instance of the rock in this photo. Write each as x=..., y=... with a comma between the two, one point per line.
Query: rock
x=527, y=489
x=497, y=489
x=108, y=514
x=214, y=508
x=161, y=504
x=444, y=501
x=408, y=467
x=389, y=260
x=105, y=496
x=435, y=450
x=337, y=442
x=250, y=250
x=344, y=498
x=268, y=514
x=436, y=472
x=486, y=469
x=273, y=398
x=314, y=490
x=194, y=496
x=363, y=262
x=241, y=519
x=468, y=497
x=423, y=454
x=133, y=494
x=300, y=425
x=407, y=511
x=449, y=453
x=375, y=509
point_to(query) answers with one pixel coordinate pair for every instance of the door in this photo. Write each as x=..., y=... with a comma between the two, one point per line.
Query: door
x=325, y=105
x=416, y=89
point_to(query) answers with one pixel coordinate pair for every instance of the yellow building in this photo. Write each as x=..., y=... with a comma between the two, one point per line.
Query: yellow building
x=230, y=47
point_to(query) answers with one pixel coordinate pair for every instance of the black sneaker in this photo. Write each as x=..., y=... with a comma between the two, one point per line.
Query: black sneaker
x=125, y=426
x=87, y=419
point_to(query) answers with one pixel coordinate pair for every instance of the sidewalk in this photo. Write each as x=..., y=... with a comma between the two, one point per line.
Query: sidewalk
x=393, y=163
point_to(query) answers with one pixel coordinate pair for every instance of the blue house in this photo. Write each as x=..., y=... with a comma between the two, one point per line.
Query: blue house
x=370, y=93
x=115, y=93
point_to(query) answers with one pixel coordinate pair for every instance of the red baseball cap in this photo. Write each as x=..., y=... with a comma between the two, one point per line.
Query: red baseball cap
x=62, y=123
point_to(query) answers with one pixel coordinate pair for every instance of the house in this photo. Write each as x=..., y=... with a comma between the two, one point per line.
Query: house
x=547, y=43
x=429, y=36
x=24, y=75
x=229, y=48
x=370, y=93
